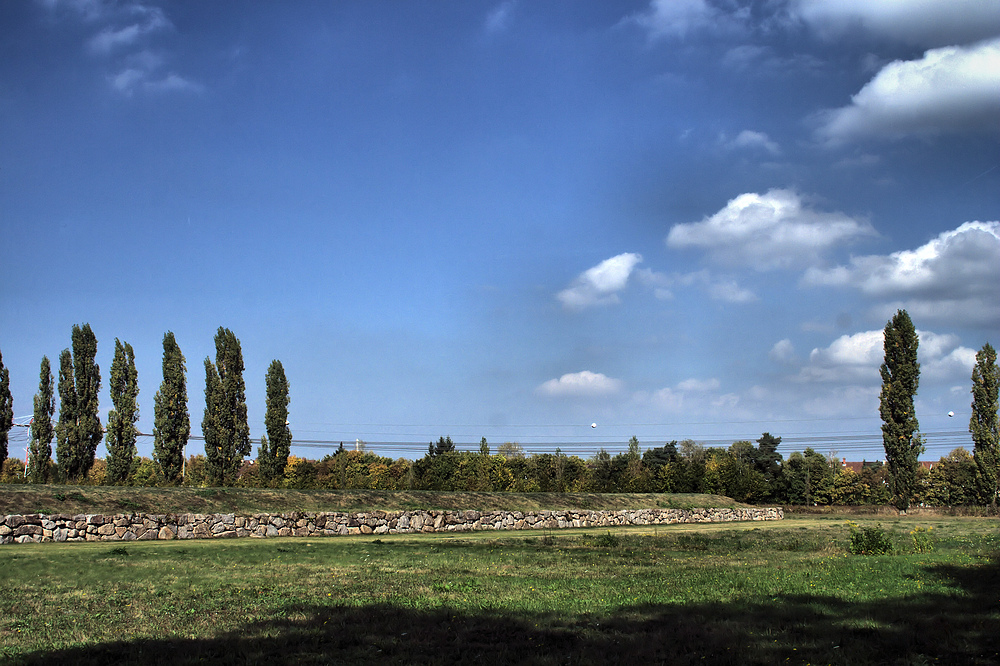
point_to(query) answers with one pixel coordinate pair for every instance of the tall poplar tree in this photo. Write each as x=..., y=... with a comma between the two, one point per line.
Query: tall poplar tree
x=172, y=425
x=984, y=425
x=124, y=387
x=67, y=448
x=79, y=429
x=227, y=435
x=279, y=437
x=900, y=376
x=40, y=450
x=6, y=410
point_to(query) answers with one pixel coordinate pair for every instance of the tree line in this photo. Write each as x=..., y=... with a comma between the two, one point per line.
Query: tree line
x=78, y=430
x=744, y=472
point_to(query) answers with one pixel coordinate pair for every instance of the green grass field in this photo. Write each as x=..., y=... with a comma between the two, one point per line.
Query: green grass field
x=785, y=592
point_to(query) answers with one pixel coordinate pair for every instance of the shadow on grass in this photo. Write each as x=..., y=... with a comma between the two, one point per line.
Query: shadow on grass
x=958, y=628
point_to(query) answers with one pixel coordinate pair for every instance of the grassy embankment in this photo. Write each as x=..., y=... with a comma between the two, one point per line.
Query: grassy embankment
x=109, y=500
x=781, y=592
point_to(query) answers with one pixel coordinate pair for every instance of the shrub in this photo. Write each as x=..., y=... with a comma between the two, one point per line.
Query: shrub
x=923, y=541
x=870, y=540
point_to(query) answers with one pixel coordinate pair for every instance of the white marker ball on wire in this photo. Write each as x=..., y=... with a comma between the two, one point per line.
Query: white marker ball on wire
x=951, y=413
x=593, y=425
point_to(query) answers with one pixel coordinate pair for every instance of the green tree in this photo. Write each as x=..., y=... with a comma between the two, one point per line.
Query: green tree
x=227, y=434
x=124, y=388
x=67, y=451
x=900, y=377
x=279, y=437
x=808, y=478
x=6, y=410
x=444, y=445
x=172, y=425
x=984, y=424
x=40, y=451
x=79, y=430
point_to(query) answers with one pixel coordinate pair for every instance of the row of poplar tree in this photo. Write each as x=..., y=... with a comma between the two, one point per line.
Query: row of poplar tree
x=227, y=435
x=78, y=430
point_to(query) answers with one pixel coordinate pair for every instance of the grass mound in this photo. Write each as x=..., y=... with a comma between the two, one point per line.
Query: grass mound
x=109, y=500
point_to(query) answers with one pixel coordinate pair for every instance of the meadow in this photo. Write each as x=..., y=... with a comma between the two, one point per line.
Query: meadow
x=784, y=592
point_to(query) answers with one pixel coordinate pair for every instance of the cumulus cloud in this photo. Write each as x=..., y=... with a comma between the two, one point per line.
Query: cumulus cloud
x=850, y=358
x=950, y=89
x=856, y=358
x=580, y=384
x=921, y=22
x=783, y=352
x=954, y=277
x=956, y=364
x=768, y=231
x=752, y=140
x=678, y=18
x=600, y=285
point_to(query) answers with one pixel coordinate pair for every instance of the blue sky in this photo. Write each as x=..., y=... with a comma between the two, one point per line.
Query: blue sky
x=674, y=219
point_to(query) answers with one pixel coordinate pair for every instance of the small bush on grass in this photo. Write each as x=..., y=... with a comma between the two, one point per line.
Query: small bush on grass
x=923, y=540
x=869, y=540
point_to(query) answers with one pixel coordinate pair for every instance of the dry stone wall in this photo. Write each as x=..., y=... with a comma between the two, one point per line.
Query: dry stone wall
x=146, y=527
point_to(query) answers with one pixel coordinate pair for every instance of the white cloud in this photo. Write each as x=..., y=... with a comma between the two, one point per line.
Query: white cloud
x=577, y=384
x=920, y=22
x=131, y=79
x=718, y=289
x=126, y=80
x=856, y=359
x=699, y=385
x=660, y=283
x=849, y=358
x=729, y=291
x=172, y=82
x=954, y=277
x=693, y=394
x=123, y=31
x=768, y=231
x=599, y=285
x=666, y=399
x=754, y=141
x=950, y=89
x=941, y=358
x=499, y=18
x=678, y=18
x=783, y=351
x=151, y=19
